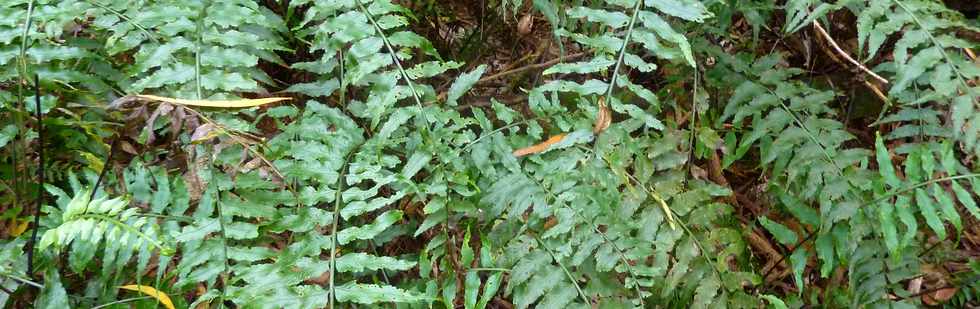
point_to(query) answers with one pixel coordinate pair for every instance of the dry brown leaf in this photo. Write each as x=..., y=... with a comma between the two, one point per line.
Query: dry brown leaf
x=939, y=296
x=540, y=147
x=128, y=148
x=603, y=119
x=204, y=133
x=525, y=25
x=552, y=221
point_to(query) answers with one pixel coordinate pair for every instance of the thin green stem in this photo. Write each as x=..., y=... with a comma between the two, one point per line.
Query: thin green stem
x=595, y=228
x=398, y=63
x=622, y=50
x=959, y=75
x=585, y=299
x=919, y=185
x=23, y=42
x=197, y=50
x=122, y=16
x=22, y=280
x=677, y=218
x=506, y=270
x=126, y=227
x=338, y=199
x=21, y=142
x=122, y=301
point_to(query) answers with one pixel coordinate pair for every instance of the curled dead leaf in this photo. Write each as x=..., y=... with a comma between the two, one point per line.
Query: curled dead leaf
x=540, y=147
x=939, y=296
x=525, y=25
x=204, y=133
x=128, y=148
x=552, y=221
x=603, y=119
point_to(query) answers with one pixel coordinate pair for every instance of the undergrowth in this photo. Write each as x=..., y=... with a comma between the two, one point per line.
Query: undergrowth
x=624, y=154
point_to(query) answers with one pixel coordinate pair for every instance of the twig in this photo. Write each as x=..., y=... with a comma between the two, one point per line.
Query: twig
x=531, y=67
x=816, y=25
x=105, y=167
x=22, y=280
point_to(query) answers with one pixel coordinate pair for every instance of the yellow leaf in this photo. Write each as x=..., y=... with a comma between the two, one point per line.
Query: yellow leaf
x=94, y=162
x=17, y=227
x=206, y=103
x=663, y=205
x=148, y=290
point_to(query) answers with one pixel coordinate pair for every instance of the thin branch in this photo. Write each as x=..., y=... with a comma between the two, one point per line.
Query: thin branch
x=816, y=25
x=531, y=67
x=22, y=280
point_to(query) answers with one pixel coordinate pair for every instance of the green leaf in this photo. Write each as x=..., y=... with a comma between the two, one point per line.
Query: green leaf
x=774, y=302
x=53, y=294
x=595, y=65
x=663, y=30
x=359, y=262
x=689, y=10
x=783, y=234
x=947, y=207
x=449, y=294
x=613, y=19
x=889, y=231
x=415, y=163
x=489, y=290
x=471, y=289
x=928, y=210
x=463, y=84
x=907, y=217
x=798, y=260
x=367, y=294
x=369, y=231
x=7, y=134
x=885, y=167
x=965, y=199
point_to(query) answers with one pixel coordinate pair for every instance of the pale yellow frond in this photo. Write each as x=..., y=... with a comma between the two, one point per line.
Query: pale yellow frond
x=152, y=292
x=208, y=103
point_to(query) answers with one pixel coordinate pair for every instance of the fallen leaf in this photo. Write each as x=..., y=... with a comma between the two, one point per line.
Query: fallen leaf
x=162, y=297
x=208, y=103
x=603, y=119
x=204, y=133
x=17, y=227
x=552, y=221
x=525, y=24
x=939, y=296
x=540, y=147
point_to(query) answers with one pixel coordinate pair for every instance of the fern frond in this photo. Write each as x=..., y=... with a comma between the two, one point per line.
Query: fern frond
x=87, y=224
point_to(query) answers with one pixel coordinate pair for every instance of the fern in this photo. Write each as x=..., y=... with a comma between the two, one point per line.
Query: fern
x=188, y=48
x=382, y=184
x=86, y=224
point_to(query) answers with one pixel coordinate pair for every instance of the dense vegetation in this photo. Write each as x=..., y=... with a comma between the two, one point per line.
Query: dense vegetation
x=489, y=154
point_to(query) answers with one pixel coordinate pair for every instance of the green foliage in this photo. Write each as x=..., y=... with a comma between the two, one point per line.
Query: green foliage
x=383, y=184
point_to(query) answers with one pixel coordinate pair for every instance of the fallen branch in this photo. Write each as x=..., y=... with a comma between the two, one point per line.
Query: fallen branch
x=816, y=25
x=552, y=62
x=531, y=67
